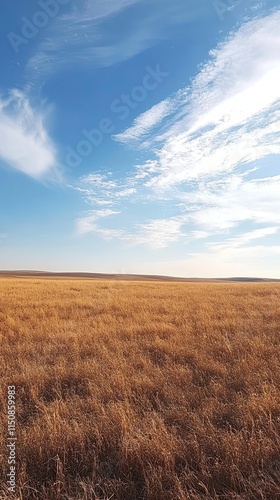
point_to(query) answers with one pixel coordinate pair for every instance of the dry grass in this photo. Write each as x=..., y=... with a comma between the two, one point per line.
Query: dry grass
x=129, y=391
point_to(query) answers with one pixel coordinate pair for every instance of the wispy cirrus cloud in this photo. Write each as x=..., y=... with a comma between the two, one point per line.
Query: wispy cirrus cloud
x=206, y=143
x=88, y=223
x=210, y=209
x=159, y=233
x=84, y=36
x=24, y=141
x=99, y=189
x=222, y=204
x=245, y=238
x=147, y=121
x=229, y=117
x=156, y=233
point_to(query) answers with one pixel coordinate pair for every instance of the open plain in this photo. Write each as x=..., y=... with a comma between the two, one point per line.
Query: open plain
x=141, y=390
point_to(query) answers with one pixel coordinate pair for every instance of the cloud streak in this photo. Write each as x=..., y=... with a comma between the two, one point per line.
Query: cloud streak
x=24, y=141
x=205, y=145
x=147, y=121
x=229, y=117
x=85, y=37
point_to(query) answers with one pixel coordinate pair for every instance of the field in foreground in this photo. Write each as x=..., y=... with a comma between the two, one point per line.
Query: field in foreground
x=141, y=391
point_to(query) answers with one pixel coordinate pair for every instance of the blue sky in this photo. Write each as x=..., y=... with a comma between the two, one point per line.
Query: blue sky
x=140, y=136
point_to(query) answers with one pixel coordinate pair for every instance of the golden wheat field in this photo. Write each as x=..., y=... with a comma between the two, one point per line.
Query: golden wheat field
x=141, y=390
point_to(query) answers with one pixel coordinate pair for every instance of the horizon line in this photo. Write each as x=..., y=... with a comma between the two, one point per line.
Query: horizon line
x=125, y=276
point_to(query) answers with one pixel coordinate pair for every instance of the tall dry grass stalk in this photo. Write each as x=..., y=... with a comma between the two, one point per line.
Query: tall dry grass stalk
x=129, y=391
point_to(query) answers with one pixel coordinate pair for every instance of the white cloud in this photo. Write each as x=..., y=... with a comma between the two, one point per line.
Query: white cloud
x=158, y=233
x=99, y=10
x=229, y=117
x=102, y=190
x=124, y=193
x=223, y=204
x=99, y=180
x=208, y=140
x=244, y=238
x=84, y=36
x=77, y=38
x=88, y=223
x=146, y=121
x=24, y=142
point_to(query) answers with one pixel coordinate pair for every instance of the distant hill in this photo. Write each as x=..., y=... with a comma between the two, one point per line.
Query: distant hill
x=124, y=277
